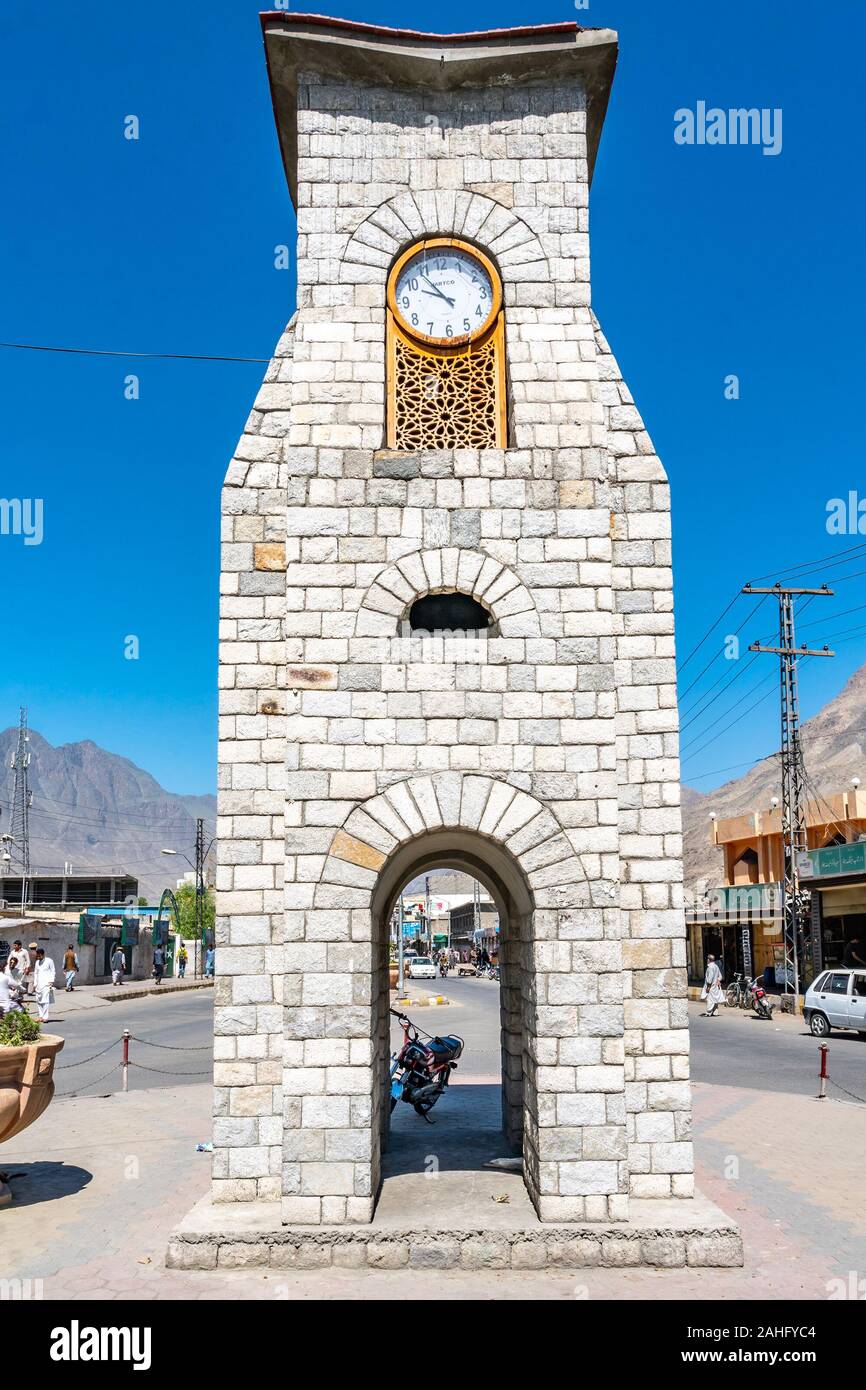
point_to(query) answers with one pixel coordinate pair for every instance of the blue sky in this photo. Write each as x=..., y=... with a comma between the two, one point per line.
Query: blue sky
x=707, y=261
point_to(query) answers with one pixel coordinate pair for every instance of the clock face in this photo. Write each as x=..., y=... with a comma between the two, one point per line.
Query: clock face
x=444, y=292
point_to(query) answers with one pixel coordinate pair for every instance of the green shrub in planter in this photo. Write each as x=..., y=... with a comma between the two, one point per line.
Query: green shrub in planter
x=18, y=1029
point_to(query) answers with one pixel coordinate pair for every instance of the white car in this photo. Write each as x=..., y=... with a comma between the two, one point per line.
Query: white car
x=837, y=999
x=422, y=968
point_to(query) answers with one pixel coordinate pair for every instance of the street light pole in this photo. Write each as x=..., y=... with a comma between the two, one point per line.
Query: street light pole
x=201, y=853
x=400, y=981
x=199, y=893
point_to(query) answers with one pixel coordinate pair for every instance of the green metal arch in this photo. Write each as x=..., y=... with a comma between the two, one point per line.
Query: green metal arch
x=168, y=897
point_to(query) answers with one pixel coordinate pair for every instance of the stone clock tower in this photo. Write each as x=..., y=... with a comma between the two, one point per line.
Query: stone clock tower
x=443, y=418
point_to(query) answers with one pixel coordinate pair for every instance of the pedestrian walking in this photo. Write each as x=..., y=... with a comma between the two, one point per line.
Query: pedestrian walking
x=25, y=965
x=182, y=959
x=158, y=964
x=118, y=965
x=70, y=967
x=712, y=990
x=43, y=983
x=209, y=962
x=31, y=954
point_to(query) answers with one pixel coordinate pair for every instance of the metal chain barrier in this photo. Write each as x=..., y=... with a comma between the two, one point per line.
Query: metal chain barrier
x=161, y=1071
x=124, y=1065
x=84, y=1060
x=850, y=1094
x=824, y=1076
x=71, y=1095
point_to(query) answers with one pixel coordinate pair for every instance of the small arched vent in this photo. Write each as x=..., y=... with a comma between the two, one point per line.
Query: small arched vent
x=448, y=613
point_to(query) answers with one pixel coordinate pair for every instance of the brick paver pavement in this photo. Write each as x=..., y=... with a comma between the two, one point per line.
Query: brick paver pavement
x=99, y=1183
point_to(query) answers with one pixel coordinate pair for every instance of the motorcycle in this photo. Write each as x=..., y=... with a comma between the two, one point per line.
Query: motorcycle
x=761, y=1002
x=422, y=1067
x=444, y=967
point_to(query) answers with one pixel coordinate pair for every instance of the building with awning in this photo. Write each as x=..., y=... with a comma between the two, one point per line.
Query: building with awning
x=740, y=919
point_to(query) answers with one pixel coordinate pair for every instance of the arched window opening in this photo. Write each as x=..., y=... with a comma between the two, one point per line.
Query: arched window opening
x=448, y=613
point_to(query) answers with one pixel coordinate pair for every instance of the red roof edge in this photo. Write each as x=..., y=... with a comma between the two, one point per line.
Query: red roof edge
x=568, y=26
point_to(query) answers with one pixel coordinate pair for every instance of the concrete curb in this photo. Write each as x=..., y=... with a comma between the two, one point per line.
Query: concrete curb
x=699, y=1235
x=422, y=1001
x=122, y=992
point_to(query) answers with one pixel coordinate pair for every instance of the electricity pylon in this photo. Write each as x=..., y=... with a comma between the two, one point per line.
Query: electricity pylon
x=794, y=837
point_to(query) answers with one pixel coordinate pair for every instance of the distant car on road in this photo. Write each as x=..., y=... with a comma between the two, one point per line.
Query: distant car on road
x=836, y=999
x=422, y=968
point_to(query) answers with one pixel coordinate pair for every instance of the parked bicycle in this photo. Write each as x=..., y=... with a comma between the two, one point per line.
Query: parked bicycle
x=735, y=993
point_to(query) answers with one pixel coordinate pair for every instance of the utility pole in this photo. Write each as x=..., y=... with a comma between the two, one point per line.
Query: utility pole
x=794, y=837
x=400, y=961
x=199, y=888
x=22, y=800
x=476, y=915
x=427, y=915
x=202, y=851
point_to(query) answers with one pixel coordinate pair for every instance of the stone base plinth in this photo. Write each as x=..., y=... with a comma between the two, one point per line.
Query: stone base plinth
x=663, y=1234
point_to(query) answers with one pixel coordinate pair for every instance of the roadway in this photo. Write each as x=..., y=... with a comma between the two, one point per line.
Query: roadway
x=735, y=1048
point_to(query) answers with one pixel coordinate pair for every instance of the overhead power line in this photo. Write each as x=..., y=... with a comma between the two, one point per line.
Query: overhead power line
x=141, y=816
x=716, y=655
x=826, y=562
x=731, y=767
x=683, y=664
x=738, y=720
x=116, y=352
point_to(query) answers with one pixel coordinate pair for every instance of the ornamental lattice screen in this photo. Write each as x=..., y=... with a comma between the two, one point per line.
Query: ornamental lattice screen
x=448, y=399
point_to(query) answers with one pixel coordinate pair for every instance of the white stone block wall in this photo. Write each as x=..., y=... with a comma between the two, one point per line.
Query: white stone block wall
x=248, y=1018
x=658, y=1093
x=518, y=750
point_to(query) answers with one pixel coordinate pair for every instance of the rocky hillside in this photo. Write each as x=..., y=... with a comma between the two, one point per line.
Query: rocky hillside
x=97, y=810
x=834, y=747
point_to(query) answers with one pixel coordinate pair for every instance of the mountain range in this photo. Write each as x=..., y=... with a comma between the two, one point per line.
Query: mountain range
x=95, y=809
x=834, y=750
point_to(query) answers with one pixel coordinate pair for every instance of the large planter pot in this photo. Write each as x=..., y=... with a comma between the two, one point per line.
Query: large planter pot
x=26, y=1083
x=393, y=976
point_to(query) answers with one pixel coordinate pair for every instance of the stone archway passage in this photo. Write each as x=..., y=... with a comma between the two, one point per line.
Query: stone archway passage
x=486, y=860
x=559, y=974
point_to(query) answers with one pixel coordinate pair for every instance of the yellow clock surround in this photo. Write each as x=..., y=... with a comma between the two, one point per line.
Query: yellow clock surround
x=445, y=393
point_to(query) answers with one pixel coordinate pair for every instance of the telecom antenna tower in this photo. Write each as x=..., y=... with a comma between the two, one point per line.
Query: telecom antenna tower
x=22, y=798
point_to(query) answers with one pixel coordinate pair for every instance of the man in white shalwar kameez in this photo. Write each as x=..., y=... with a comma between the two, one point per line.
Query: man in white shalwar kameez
x=43, y=983
x=712, y=986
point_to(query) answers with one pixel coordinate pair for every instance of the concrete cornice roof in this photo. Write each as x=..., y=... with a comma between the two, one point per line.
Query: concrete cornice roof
x=406, y=58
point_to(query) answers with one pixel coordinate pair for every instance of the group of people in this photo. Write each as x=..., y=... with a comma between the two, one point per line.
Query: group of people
x=29, y=973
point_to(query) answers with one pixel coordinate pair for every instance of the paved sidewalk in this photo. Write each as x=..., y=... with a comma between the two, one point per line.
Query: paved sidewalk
x=98, y=1185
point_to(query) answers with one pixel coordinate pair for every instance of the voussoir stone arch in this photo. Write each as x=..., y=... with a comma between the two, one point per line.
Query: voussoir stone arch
x=449, y=569
x=409, y=215
x=482, y=806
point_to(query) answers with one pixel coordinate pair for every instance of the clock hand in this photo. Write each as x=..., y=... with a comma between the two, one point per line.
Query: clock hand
x=441, y=296
x=436, y=289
